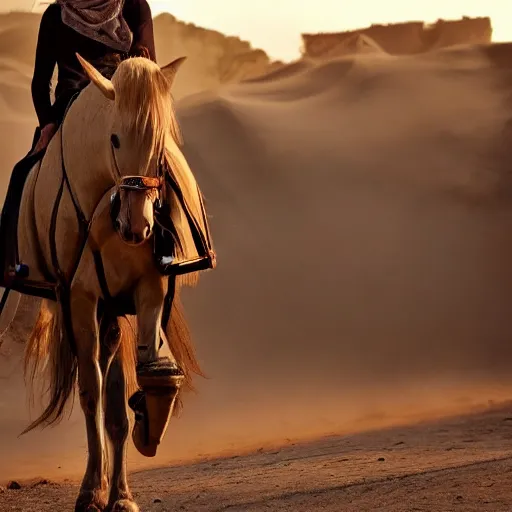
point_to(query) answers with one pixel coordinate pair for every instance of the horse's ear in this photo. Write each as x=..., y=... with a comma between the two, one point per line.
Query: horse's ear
x=102, y=83
x=171, y=69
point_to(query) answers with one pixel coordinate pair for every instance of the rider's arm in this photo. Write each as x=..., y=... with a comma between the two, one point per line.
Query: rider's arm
x=140, y=20
x=43, y=69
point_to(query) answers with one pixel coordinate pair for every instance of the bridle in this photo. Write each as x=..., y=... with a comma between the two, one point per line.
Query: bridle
x=136, y=183
x=140, y=183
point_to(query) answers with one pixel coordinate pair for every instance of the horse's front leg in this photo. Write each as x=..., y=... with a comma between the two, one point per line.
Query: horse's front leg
x=158, y=378
x=117, y=426
x=149, y=304
x=94, y=489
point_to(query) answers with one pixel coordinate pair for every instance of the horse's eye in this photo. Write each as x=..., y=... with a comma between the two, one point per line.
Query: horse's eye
x=114, y=139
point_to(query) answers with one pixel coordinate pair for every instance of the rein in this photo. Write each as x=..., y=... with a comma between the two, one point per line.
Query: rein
x=63, y=285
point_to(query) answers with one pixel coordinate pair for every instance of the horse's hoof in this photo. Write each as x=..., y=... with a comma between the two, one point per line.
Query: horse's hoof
x=91, y=501
x=160, y=382
x=125, y=506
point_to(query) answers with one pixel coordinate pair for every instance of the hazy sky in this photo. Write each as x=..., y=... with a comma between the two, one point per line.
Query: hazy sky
x=275, y=25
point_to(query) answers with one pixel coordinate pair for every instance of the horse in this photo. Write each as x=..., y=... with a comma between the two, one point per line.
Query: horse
x=86, y=224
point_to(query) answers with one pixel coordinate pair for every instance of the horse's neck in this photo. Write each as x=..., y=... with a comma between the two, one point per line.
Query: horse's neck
x=84, y=137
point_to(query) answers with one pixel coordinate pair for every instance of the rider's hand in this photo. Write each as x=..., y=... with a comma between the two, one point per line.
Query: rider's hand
x=47, y=133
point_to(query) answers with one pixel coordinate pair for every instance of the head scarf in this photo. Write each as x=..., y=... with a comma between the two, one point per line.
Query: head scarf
x=100, y=20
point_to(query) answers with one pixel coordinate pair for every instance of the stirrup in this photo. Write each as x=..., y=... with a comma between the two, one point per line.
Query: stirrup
x=21, y=271
x=14, y=273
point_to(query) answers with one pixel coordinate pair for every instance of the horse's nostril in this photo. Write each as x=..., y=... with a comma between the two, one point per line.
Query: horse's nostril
x=127, y=234
x=117, y=225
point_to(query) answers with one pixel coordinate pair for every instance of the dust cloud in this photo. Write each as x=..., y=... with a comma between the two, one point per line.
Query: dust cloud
x=361, y=212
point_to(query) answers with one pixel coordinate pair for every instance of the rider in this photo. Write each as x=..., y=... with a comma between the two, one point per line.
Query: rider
x=101, y=31
x=104, y=32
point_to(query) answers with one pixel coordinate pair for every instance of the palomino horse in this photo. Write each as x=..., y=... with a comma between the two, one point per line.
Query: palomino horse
x=120, y=139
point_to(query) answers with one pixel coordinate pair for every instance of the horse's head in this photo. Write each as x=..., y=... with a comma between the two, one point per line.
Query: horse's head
x=142, y=118
x=132, y=208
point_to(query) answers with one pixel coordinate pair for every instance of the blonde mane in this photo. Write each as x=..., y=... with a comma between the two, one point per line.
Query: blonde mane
x=144, y=104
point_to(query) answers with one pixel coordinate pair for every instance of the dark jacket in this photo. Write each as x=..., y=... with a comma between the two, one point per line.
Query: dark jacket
x=57, y=44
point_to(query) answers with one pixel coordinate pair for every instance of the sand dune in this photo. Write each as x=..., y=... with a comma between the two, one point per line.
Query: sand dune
x=360, y=208
x=214, y=59
x=18, y=36
x=358, y=205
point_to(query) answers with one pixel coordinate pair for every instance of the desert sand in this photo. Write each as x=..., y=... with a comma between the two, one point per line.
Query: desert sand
x=360, y=208
x=461, y=463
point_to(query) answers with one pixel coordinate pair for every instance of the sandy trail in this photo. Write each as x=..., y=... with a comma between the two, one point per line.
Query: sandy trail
x=462, y=463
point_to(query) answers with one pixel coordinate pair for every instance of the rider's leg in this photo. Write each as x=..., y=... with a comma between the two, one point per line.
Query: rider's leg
x=10, y=210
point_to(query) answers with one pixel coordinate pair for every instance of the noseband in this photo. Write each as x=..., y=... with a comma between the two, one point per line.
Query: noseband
x=140, y=183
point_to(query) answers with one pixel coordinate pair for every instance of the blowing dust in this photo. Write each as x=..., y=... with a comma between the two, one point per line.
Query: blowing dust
x=360, y=209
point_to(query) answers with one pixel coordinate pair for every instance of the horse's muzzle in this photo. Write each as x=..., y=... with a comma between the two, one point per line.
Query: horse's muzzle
x=130, y=237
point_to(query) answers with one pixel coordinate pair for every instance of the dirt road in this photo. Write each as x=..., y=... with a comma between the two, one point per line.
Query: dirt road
x=462, y=463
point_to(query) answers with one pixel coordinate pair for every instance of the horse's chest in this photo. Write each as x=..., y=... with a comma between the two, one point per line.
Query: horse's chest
x=125, y=265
